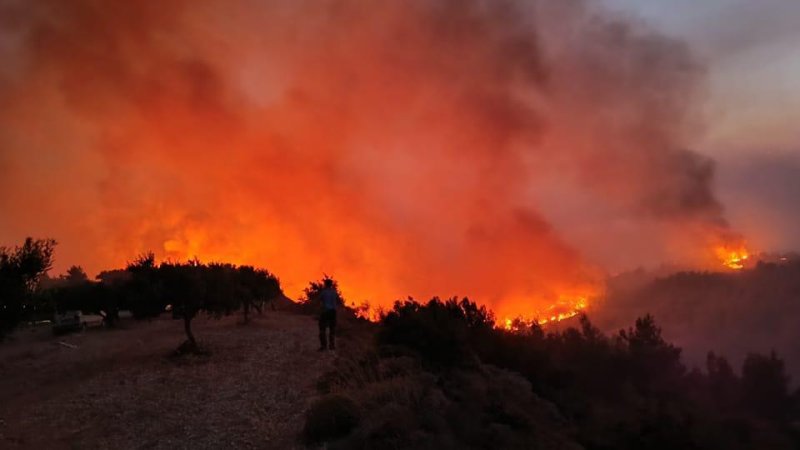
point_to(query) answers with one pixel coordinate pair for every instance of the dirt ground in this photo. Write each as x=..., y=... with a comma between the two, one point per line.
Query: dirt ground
x=119, y=388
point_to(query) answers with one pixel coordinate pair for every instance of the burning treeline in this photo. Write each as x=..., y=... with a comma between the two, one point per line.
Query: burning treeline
x=399, y=145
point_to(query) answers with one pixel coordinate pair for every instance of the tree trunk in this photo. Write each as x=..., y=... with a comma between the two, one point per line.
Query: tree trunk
x=187, y=326
x=246, y=311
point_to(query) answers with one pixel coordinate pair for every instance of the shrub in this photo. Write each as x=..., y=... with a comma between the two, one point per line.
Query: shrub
x=439, y=331
x=331, y=417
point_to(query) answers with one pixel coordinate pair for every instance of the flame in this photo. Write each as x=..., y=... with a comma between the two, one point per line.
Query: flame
x=566, y=307
x=732, y=257
x=226, y=141
x=367, y=311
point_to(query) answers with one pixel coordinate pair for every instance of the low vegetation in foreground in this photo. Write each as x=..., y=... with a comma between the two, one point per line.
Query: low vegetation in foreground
x=440, y=375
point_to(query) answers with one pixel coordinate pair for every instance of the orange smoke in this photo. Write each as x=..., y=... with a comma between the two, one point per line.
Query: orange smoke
x=397, y=146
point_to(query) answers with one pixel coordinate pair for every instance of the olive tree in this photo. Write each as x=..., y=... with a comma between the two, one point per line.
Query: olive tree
x=21, y=269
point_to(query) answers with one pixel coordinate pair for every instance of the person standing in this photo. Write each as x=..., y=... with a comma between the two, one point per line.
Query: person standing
x=327, y=320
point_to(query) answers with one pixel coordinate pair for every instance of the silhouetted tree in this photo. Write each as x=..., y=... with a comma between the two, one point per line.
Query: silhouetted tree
x=765, y=386
x=254, y=287
x=723, y=384
x=440, y=331
x=221, y=285
x=143, y=289
x=73, y=291
x=654, y=363
x=21, y=269
x=216, y=289
x=629, y=391
x=116, y=293
x=185, y=289
x=311, y=292
x=75, y=274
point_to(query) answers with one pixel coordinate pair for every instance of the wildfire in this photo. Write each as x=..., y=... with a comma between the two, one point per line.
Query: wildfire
x=366, y=311
x=313, y=177
x=732, y=257
x=565, y=308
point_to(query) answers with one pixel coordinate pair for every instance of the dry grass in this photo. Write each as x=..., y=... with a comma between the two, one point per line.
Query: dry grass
x=119, y=389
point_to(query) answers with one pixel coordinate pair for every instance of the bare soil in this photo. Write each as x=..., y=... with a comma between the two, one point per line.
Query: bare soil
x=121, y=388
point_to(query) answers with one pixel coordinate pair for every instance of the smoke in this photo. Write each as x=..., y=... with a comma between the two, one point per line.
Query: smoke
x=763, y=190
x=401, y=146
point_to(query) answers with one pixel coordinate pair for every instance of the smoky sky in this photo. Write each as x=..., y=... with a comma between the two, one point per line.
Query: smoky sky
x=763, y=190
x=402, y=146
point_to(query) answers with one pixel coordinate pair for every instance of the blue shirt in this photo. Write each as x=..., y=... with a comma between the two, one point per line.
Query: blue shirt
x=329, y=299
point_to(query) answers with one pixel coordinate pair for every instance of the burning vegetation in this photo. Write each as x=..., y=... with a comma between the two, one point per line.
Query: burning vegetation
x=733, y=257
x=410, y=148
x=407, y=148
x=566, y=307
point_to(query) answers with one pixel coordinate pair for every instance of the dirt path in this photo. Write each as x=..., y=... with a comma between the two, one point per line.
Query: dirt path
x=118, y=390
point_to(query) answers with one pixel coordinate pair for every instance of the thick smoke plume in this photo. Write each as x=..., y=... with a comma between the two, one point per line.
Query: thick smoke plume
x=404, y=147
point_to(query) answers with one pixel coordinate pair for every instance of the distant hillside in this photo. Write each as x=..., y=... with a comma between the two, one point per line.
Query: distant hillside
x=757, y=309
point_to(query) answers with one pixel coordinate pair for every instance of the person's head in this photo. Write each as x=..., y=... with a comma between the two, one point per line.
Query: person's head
x=328, y=282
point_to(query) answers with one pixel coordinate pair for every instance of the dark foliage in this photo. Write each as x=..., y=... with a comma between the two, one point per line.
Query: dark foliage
x=21, y=269
x=731, y=313
x=765, y=386
x=144, y=287
x=630, y=390
x=330, y=417
x=193, y=287
x=440, y=331
x=310, y=302
x=254, y=287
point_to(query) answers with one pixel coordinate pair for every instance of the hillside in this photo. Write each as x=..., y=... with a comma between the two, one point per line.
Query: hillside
x=754, y=310
x=434, y=375
x=440, y=375
x=120, y=389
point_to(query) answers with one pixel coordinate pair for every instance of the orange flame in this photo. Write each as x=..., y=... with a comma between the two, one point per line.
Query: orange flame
x=732, y=257
x=566, y=307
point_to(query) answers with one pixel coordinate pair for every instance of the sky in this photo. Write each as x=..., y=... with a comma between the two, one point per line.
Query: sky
x=752, y=53
x=517, y=151
x=753, y=60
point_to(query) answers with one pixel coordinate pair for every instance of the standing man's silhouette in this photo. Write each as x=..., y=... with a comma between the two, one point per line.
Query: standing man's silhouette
x=327, y=319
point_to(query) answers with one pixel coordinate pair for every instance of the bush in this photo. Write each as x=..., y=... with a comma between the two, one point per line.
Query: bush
x=441, y=332
x=331, y=417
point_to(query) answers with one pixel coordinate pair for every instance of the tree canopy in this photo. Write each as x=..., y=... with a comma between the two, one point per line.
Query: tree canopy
x=21, y=269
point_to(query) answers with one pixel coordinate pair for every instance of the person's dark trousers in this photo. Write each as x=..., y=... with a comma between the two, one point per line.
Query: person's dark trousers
x=327, y=320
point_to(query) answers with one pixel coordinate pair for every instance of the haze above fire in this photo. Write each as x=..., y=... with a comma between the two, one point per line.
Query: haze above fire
x=407, y=148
